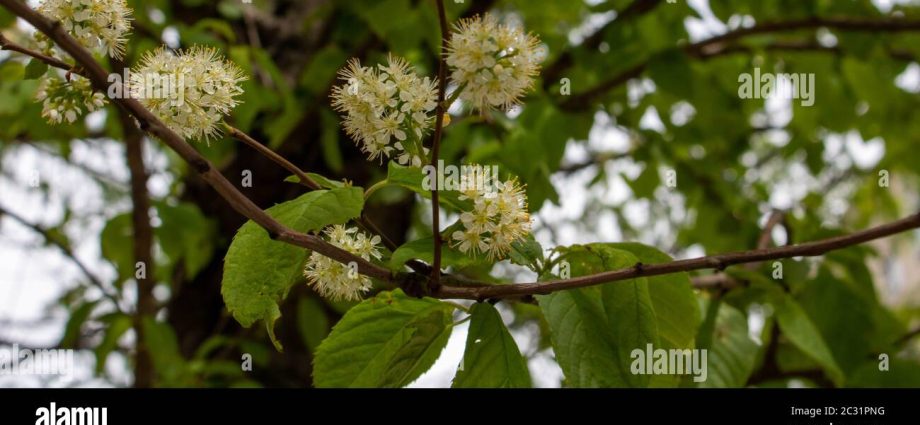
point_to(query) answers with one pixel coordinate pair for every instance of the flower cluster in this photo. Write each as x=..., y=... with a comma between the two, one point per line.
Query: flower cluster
x=498, y=219
x=101, y=25
x=190, y=91
x=387, y=108
x=64, y=100
x=494, y=64
x=335, y=280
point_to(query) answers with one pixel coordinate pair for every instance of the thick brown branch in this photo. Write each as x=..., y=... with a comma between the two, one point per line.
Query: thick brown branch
x=718, y=262
x=143, y=242
x=151, y=124
x=279, y=232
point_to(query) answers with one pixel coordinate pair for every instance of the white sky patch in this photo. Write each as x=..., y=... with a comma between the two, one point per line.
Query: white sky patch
x=909, y=80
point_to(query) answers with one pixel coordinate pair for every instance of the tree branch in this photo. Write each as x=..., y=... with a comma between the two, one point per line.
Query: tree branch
x=720, y=45
x=65, y=249
x=278, y=231
x=143, y=242
x=272, y=155
x=6, y=44
x=151, y=124
x=440, y=110
x=565, y=60
x=722, y=280
x=364, y=222
x=719, y=262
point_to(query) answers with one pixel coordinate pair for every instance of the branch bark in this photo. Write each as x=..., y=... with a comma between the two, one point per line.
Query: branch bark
x=440, y=110
x=151, y=124
x=239, y=202
x=143, y=242
x=721, y=44
x=719, y=262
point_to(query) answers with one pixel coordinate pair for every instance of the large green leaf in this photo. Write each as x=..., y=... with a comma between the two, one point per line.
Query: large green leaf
x=386, y=341
x=599, y=327
x=259, y=271
x=731, y=351
x=676, y=308
x=492, y=358
x=802, y=332
x=660, y=310
x=582, y=339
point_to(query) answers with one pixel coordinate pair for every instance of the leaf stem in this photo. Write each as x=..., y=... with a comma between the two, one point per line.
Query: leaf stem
x=375, y=187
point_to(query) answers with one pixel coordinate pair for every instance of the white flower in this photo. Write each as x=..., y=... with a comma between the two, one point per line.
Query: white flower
x=190, y=91
x=386, y=108
x=499, y=216
x=100, y=25
x=65, y=100
x=495, y=64
x=335, y=280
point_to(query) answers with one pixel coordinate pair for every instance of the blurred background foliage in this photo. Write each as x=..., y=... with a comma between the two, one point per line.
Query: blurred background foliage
x=645, y=99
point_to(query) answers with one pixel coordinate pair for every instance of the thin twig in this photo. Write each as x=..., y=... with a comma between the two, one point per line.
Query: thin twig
x=363, y=221
x=272, y=155
x=67, y=251
x=720, y=45
x=6, y=44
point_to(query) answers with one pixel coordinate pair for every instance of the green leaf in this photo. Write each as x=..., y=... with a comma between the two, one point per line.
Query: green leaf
x=901, y=373
x=386, y=341
x=527, y=252
x=6, y=18
x=594, y=330
x=35, y=69
x=422, y=249
x=72, y=330
x=412, y=178
x=168, y=362
x=320, y=180
x=660, y=310
x=670, y=70
x=802, y=332
x=492, y=358
x=258, y=272
x=313, y=322
x=10, y=71
x=732, y=352
x=186, y=235
x=117, y=325
x=675, y=305
x=117, y=244
x=581, y=338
